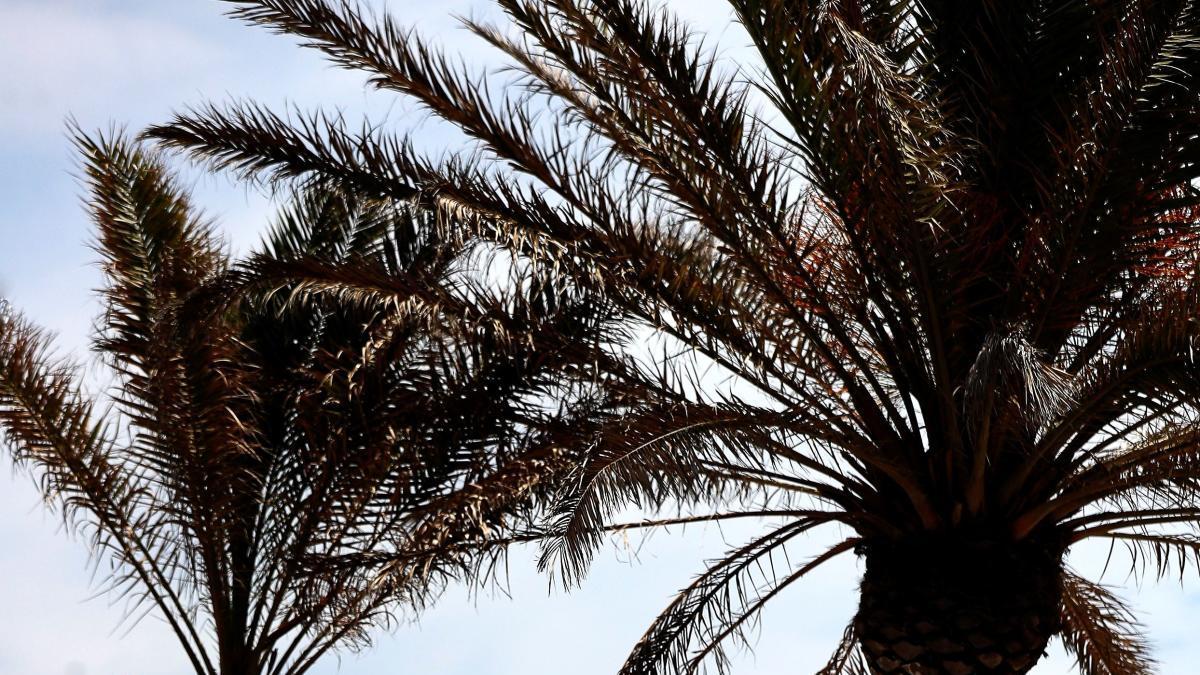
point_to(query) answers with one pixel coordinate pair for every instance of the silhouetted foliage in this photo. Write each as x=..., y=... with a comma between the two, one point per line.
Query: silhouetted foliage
x=944, y=252
x=352, y=389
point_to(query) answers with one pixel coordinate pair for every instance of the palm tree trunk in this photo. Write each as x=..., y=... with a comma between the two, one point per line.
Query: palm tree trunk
x=952, y=604
x=238, y=656
x=238, y=659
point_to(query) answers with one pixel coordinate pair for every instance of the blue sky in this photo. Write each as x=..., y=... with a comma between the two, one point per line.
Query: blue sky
x=131, y=62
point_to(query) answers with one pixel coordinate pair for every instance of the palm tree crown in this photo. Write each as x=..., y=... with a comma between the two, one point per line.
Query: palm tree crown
x=348, y=391
x=946, y=252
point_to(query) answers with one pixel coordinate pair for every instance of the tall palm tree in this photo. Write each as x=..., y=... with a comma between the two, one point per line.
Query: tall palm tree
x=945, y=252
x=265, y=420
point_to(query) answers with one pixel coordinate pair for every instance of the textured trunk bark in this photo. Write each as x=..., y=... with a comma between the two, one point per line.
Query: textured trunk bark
x=952, y=605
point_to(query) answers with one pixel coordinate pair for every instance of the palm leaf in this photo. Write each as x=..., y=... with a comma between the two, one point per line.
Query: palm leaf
x=1100, y=631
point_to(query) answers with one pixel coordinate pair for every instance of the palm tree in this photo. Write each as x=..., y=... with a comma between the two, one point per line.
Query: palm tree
x=945, y=253
x=265, y=421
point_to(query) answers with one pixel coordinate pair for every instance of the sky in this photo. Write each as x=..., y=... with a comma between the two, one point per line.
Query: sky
x=128, y=63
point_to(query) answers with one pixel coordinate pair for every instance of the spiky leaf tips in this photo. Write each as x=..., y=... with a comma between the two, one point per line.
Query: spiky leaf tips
x=308, y=442
x=946, y=252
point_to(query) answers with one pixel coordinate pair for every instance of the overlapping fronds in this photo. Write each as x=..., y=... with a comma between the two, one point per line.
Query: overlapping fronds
x=52, y=427
x=921, y=266
x=357, y=388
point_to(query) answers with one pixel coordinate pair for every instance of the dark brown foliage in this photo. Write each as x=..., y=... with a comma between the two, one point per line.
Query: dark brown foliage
x=945, y=252
x=347, y=393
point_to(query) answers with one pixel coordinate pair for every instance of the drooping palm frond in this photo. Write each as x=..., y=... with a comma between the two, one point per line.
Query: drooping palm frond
x=1101, y=632
x=355, y=389
x=52, y=426
x=946, y=252
x=722, y=602
x=847, y=660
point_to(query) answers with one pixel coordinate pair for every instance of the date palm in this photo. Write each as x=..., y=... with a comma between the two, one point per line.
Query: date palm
x=945, y=254
x=265, y=418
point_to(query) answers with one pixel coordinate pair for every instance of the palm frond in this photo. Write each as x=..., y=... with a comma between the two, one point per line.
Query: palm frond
x=1100, y=630
x=52, y=428
x=848, y=659
x=930, y=266
x=719, y=604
